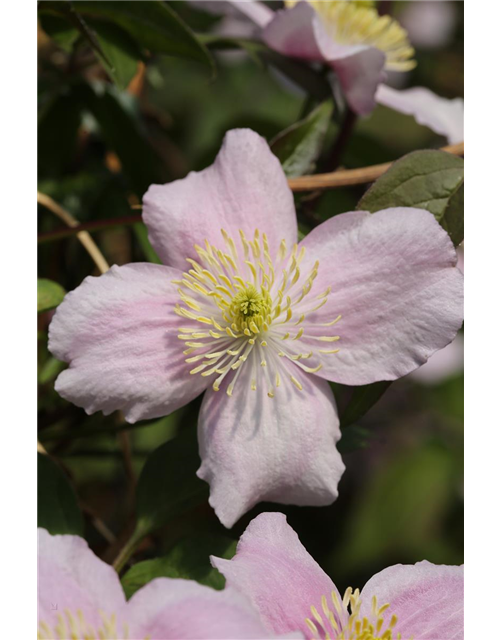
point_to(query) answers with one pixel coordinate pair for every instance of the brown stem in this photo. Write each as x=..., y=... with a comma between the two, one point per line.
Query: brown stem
x=342, y=140
x=83, y=236
x=95, y=225
x=350, y=177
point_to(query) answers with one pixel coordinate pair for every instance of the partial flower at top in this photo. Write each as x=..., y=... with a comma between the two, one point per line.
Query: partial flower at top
x=361, y=47
x=423, y=601
x=259, y=321
x=80, y=598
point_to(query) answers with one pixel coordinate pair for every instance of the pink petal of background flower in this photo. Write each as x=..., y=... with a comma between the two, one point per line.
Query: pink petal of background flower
x=275, y=571
x=428, y=599
x=72, y=578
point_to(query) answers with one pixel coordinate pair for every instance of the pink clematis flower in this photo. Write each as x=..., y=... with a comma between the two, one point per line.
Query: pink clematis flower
x=361, y=47
x=80, y=596
x=422, y=601
x=259, y=321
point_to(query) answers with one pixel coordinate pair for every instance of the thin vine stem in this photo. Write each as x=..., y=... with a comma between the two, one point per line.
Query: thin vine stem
x=84, y=236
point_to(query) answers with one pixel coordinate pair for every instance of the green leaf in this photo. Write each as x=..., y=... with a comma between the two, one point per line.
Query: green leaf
x=141, y=233
x=354, y=438
x=58, y=510
x=50, y=294
x=168, y=484
x=188, y=559
x=453, y=217
x=362, y=400
x=299, y=146
x=153, y=24
x=59, y=29
x=58, y=125
x=117, y=51
x=50, y=370
x=428, y=179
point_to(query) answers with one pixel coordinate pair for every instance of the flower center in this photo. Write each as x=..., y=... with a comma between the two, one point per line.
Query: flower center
x=249, y=309
x=75, y=627
x=343, y=622
x=357, y=22
x=248, y=313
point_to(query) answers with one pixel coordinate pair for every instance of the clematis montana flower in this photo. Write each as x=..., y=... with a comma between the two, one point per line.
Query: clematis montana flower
x=422, y=601
x=259, y=321
x=361, y=47
x=79, y=596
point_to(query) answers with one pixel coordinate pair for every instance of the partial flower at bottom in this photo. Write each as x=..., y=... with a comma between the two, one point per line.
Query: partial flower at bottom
x=290, y=590
x=80, y=598
x=259, y=321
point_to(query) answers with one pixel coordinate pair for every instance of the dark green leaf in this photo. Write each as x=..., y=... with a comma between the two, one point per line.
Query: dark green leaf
x=168, y=484
x=362, y=400
x=453, y=217
x=117, y=51
x=50, y=294
x=188, y=559
x=354, y=438
x=428, y=179
x=153, y=24
x=58, y=126
x=58, y=510
x=59, y=29
x=299, y=146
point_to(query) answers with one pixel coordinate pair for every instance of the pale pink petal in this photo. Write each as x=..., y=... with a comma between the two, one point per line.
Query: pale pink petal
x=71, y=577
x=185, y=610
x=292, y=32
x=258, y=12
x=118, y=332
x=428, y=600
x=359, y=68
x=272, y=568
x=280, y=449
x=396, y=286
x=244, y=189
x=445, y=117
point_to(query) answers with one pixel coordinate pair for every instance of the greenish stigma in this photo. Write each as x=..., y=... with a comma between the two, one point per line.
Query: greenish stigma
x=250, y=304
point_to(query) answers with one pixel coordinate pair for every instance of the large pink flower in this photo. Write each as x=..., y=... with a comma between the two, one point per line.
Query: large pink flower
x=361, y=47
x=79, y=596
x=422, y=601
x=260, y=322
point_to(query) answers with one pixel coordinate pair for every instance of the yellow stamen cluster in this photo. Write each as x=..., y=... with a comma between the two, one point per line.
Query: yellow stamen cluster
x=250, y=309
x=75, y=627
x=357, y=22
x=248, y=312
x=343, y=622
